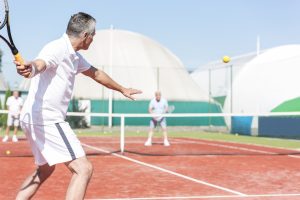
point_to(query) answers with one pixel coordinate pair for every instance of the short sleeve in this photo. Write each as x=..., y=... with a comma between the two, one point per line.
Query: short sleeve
x=8, y=102
x=83, y=64
x=49, y=54
x=166, y=103
x=151, y=104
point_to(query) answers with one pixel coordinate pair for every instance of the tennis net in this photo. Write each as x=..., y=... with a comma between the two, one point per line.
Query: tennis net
x=240, y=134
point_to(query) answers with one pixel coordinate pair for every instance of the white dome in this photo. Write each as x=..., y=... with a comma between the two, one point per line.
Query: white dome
x=266, y=81
x=137, y=62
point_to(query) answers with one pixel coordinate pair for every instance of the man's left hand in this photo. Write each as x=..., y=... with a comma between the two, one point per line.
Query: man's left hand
x=128, y=92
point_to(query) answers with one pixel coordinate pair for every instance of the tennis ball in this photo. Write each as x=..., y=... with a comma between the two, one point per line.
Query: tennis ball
x=226, y=59
x=7, y=152
x=236, y=134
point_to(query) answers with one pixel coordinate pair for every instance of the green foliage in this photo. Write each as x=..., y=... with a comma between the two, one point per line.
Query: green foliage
x=1, y=54
x=3, y=117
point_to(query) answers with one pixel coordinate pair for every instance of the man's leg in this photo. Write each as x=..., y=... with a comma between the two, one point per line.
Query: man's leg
x=149, y=140
x=7, y=130
x=34, y=181
x=5, y=138
x=150, y=134
x=165, y=133
x=153, y=124
x=15, y=138
x=9, y=124
x=82, y=171
x=15, y=130
x=163, y=125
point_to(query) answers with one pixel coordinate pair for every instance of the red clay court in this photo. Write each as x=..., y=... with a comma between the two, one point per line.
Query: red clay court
x=188, y=169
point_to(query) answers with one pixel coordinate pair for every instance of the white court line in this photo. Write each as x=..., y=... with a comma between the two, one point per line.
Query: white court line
x=180, y=141
x=167, y=171
x=225, y=146
x=293, y=156
x=238, y=148
x=204, y=197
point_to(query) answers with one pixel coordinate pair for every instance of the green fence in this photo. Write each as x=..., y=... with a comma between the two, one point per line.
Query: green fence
x=123, y=106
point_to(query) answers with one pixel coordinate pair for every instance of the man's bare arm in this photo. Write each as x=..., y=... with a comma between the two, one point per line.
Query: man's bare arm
x=102, y=78
x=30, y=69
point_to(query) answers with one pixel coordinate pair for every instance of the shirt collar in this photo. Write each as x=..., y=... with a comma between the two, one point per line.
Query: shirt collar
x=69, y=45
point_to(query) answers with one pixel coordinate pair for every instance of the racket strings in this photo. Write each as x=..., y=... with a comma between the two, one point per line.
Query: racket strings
x=2, y=12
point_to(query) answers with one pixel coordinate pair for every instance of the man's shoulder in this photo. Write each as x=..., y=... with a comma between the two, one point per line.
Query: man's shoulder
x=10, y=97
x=55, y=48
x=153, y=100
x=164, y=99
x=56, y=44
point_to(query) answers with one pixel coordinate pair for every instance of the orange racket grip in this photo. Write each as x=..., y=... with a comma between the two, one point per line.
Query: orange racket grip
x=19, y=58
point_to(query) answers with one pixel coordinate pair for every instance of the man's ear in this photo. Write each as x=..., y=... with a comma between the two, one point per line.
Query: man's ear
x=85, y=34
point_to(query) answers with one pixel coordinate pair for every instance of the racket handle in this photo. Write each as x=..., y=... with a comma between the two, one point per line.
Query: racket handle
x=19, y=58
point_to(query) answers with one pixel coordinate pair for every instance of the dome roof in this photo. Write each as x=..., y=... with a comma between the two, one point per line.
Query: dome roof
x=134, y=60
x=267, y=81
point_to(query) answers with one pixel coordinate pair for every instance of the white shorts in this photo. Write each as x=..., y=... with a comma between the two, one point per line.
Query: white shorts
x=52, y=144
x=162, y=122
x=13, y=120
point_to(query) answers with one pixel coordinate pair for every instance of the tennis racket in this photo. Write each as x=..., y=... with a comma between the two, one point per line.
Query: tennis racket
x=4, y=20
x=171, y=108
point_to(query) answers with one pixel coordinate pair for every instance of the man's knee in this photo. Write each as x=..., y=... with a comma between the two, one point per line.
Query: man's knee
x=87, y=168
x=45, y=171
x=82, y=167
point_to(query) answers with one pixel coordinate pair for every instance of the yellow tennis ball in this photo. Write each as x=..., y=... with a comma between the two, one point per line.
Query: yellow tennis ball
x=226, y=59
x=7, y=152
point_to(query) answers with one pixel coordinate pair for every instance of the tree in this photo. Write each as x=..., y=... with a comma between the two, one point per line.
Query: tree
x=1, y=54
x=3, y=117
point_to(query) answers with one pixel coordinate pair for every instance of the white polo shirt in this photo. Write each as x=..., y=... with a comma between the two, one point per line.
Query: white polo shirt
x=14, y=105
x=51, y=90
x=158, y=107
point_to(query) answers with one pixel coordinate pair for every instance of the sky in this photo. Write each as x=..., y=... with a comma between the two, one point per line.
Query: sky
x=196, y=31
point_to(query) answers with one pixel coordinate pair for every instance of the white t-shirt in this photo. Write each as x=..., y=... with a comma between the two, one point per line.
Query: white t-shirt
x=14, y=105
x=50, y=91
x=158, y=107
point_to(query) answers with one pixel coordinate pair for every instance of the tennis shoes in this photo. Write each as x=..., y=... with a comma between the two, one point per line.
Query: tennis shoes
x=14, y=138
x=149, y=143
x=166, y=143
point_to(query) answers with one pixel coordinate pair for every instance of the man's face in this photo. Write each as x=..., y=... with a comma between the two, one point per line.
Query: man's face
x=16, y=94
x=157, y=96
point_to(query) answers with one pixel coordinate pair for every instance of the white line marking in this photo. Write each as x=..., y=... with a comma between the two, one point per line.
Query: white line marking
x=239, y=148
x=293, y=156
x=226, y=146
x=204, y=197
x=167, y=171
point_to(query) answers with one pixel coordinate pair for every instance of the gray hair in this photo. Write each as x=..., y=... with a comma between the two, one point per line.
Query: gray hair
x=81, y=22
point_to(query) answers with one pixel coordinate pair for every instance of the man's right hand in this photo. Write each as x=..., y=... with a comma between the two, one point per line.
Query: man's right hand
x=24, y=69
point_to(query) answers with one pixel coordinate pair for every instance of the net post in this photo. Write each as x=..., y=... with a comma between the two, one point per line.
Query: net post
x=122, y=136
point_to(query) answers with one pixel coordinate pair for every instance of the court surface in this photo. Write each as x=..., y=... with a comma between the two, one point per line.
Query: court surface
x=204, y=170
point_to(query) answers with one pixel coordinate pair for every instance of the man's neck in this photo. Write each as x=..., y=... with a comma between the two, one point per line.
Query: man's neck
x=75, y=43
